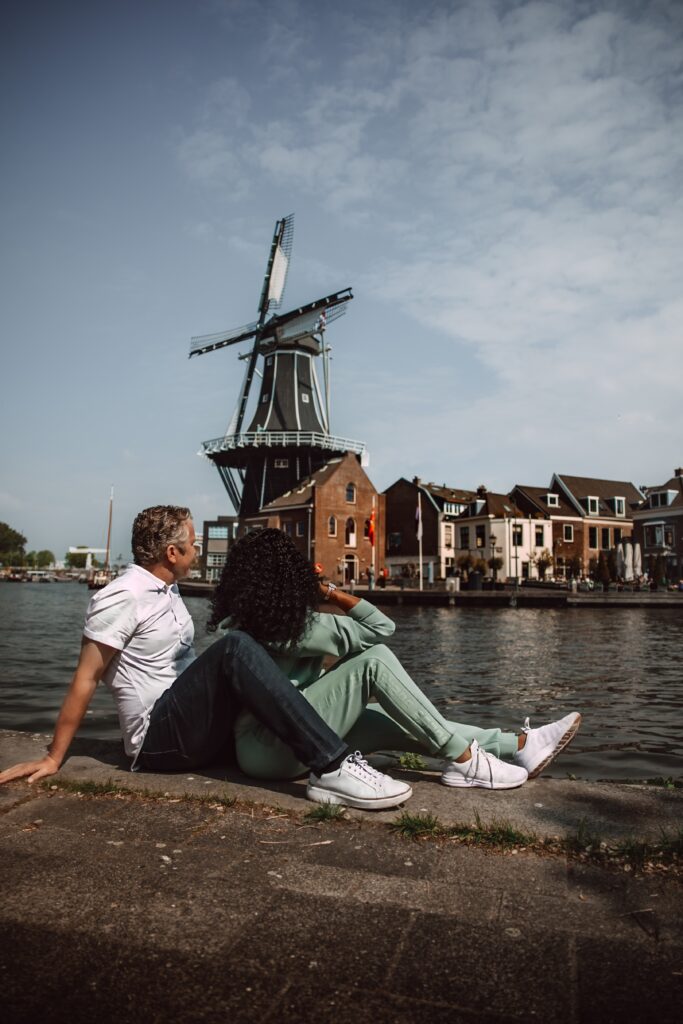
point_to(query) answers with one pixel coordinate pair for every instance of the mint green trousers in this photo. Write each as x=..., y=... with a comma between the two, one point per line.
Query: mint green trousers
x=402, y=719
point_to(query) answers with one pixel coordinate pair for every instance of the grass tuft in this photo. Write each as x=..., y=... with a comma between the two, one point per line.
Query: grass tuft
x=326, y=812
x=412, y=762
x=417, y=826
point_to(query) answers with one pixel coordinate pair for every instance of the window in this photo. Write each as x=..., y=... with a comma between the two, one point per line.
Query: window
x=351, y=493
x=552, y=500
x=451, y=509
x=350, y=533
x=568, y=532
x=304, y=397
x=265, y=397
x=287, y=528
x=448, y=536
x=394, y=542
x=604, y=540
x=593, y=506
x=617, y=535
x=480, y=532
x=366, y=529
x=517, y=536
x=539, y=537
x=218, y=533
x=464, y=536
x=619, y=506
x=281, y=463
x=668, y=536
x=332, y=527
x=592, y=536
x=269, y=360
x=300, y=529
x=214, y=558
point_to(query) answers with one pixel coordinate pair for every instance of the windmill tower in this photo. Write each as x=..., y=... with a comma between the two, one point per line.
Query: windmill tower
x=289, y=435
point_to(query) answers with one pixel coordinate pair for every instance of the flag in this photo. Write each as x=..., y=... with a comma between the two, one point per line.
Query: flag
x=418, y=519
x=371, y=528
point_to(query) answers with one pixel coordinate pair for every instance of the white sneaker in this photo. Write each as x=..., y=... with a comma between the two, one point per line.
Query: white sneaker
x=356, y=784
x=544, y=744
x=484, y=770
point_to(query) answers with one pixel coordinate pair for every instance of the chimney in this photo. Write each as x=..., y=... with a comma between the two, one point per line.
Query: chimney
x=417, y=481
x=678, y=472
x=481, y=490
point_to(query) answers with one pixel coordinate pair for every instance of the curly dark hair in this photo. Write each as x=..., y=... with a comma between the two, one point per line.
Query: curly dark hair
x=267, y=589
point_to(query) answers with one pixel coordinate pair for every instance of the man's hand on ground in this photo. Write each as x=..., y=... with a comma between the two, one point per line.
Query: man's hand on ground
x=34, y=769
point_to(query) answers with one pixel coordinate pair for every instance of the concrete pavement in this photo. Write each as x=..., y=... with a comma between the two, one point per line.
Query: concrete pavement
x=176, y=907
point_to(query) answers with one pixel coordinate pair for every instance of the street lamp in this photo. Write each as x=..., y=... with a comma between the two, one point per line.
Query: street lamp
x=492, y=542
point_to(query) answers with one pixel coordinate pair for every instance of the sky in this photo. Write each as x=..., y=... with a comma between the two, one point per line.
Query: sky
x=499, y=182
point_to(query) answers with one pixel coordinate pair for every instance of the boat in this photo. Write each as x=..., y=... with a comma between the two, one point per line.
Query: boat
x=101, y=577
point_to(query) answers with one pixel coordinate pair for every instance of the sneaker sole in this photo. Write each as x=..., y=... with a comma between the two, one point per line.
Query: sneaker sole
x=563, y=742
x=324, y=796
x=476, y=784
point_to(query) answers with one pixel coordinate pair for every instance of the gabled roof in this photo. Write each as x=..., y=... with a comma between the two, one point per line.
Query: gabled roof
x=302, y=494
x=440, y=494
x=500, y=506
x=580, y=488
x=674, y=484
x=537, y=496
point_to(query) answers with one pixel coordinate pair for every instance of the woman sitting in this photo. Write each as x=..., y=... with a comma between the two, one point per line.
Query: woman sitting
x=269, y=590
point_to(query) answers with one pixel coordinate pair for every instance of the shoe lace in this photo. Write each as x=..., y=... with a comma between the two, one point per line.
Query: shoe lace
x=478, y=755
x=358, y=762
x=526, y=727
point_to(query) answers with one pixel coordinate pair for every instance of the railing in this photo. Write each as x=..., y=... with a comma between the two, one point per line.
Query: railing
x=281, y=439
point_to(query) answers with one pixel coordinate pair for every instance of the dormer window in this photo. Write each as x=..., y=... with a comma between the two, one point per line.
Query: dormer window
x=552, y=500
x=593, y=504
x=620, y=506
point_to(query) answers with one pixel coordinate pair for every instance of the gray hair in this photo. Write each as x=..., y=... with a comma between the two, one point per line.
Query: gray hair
x=157, y=527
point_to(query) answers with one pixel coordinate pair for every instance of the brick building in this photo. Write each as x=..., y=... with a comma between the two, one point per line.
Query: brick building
x=329, y=516
x=441, y=505
x=658, y=526
x=567, y=543
x=217, y=535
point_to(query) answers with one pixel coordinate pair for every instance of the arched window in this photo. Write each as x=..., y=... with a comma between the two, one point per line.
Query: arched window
x=350, y=533
x=366, y=529
x=351, y=493
x=332, y=527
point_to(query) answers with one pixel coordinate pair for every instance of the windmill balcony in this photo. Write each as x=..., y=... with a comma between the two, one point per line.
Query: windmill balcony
x=281, y=439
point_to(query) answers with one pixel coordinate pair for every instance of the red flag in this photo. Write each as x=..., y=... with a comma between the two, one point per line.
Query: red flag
x=371, y=528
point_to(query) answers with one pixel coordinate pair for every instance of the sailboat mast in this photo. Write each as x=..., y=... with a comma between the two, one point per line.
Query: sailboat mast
x=111, y=503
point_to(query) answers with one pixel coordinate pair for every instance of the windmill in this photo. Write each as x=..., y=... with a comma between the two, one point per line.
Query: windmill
x=289, y=435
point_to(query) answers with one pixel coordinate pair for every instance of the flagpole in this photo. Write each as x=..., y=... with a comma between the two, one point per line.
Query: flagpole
x=374, y=535
x=419, y=536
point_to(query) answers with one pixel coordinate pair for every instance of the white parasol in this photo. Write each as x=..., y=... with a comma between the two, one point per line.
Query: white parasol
x=628, y=561
x=621, y=562
x=637, y=561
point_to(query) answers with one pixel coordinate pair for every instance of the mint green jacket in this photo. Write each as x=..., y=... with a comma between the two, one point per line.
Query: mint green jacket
x=331, y=636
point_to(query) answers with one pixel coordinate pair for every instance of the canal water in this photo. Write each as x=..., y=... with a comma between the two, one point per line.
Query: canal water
x=620, y=667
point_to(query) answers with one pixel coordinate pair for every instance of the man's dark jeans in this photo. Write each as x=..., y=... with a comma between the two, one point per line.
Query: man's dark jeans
x=191, y=724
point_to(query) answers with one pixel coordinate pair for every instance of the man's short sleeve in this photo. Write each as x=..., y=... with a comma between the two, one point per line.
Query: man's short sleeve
x=112, y=616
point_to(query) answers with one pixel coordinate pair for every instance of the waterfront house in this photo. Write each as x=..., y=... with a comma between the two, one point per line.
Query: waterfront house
x=216, y=537
x=495, y=526
x=440, y=507
x=567, y=544
x=606, y=508
x=333, y=516
x=658, y=526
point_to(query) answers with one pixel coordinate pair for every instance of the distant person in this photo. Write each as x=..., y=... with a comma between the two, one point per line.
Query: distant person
x=371, y=578
x=270, y=591
x=177, y=712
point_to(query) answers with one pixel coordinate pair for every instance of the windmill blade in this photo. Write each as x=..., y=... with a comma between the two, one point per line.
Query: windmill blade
x=278, y=264
x=328, y=304
x=209, y=342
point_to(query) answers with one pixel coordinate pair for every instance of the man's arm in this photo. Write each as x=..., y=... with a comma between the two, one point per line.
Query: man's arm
x=91, y=665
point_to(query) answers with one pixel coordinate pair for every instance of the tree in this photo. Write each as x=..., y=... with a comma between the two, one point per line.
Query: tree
x=602, y=571
x=543, y=561
x=11, y=545
x=465, y=563
x=45, y=558
x=574, y=567
x=495, y=564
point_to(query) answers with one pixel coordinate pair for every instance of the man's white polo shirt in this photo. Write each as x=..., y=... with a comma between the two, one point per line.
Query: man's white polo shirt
x=146, y=621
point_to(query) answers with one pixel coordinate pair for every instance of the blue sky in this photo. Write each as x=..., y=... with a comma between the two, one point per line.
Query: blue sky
x=500, y=183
